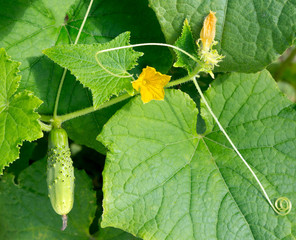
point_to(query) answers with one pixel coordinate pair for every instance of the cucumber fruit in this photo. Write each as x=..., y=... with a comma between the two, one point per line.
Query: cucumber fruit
x=60, y=173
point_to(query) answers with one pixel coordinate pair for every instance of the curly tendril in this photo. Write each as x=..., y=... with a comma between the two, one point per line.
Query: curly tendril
x=138, y=45
x=106, y=70
x=283, y=206
x=281, y=202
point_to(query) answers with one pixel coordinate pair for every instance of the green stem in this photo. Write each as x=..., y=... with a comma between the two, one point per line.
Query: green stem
x=46, y=118
x=83, y=22
x=45, y=127
x=113, y=101
x=65, y=70
x=91, y=109
x=56, y=104
x=184, y=79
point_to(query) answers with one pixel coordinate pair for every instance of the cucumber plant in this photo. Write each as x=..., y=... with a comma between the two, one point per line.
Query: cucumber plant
x=199, y=141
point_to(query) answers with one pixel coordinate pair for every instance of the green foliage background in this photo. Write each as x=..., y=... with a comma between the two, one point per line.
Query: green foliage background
x=169, y=172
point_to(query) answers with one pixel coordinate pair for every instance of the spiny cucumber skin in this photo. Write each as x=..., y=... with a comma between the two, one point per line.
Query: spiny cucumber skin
x=60, y=172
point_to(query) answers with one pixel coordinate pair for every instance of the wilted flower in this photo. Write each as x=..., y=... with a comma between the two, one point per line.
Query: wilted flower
x=208, y=31
x=210, y=57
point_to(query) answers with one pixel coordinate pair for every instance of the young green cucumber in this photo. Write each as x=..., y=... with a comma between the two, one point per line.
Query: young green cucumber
x=60, y=173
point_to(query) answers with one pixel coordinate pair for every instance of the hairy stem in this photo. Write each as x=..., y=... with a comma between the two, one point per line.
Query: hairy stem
x=59, y=93
x=91, y=109
x=83, y=22
x=115, y=100
x=45, y=127
x=123, y=97
x=65, y=70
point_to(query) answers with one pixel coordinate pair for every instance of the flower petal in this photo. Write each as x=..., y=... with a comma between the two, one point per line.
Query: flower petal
x=151, y=84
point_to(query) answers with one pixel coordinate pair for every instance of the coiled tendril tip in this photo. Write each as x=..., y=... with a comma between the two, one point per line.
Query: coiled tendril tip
x=283, y=206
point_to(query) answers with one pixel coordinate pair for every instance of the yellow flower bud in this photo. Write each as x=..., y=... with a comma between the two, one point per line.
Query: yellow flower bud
x=209, y=56
x=208, y=31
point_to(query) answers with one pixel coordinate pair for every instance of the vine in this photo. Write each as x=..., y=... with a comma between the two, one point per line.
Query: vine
x=209, y=57
x=54, y=119
x=88, y=110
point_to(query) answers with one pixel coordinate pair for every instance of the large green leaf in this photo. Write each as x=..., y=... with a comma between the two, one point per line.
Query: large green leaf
x=164, y=181
x=80, y=60
x=18, y=119
x=251, y=34
x=28, y=27
x=26, y=212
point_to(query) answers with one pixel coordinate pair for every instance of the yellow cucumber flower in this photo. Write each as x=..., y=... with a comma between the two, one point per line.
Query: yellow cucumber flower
x=151, y=84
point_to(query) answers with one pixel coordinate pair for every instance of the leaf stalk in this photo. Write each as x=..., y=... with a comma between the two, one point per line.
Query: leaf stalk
x=88, y=110
x=65, y=70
